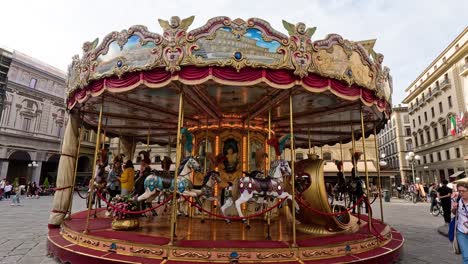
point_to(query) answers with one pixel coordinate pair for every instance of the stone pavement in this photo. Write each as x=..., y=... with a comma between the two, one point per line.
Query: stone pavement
x=23, y=231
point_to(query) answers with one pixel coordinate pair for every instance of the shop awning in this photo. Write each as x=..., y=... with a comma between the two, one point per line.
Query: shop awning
x=456, y=174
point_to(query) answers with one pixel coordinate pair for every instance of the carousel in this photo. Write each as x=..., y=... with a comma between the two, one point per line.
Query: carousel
x=230, y=97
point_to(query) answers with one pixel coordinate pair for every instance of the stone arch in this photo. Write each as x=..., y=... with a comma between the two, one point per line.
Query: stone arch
x=18, y=167
x=49, y=169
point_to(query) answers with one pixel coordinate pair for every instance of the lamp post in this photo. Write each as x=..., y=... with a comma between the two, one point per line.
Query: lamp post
x=32, y=165
x=411, y=158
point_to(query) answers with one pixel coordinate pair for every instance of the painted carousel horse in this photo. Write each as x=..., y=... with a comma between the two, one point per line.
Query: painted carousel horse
x=252, y=187
x=155, y=184
x=207, y=189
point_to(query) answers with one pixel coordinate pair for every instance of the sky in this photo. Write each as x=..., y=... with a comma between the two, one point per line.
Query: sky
x=410, y=34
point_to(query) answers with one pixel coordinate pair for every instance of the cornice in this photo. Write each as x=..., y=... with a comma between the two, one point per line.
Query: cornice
x=437, y=74
x=441, y=55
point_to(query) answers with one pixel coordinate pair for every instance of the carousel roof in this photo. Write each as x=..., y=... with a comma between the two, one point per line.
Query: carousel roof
x=231, y=72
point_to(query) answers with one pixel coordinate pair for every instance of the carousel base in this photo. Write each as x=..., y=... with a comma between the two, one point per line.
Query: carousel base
x=216, y=242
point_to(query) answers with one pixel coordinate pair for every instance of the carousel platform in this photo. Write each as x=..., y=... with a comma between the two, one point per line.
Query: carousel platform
x=215, y=241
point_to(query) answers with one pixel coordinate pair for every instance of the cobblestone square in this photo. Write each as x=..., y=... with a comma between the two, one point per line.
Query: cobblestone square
x=24, y=231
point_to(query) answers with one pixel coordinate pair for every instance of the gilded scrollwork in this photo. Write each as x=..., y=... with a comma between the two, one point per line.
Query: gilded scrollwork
x=240, y=255
x=146, y=251
x=318, y=253
x=234, y=43
x=89, y=242
x=289, y=254
x=191, y=254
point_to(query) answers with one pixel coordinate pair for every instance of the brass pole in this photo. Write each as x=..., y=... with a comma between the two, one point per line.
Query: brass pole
x=341, y=153
x=104, y=134
x=321, y=152
x=96, y=151
x=376, y=144
x=269, y=137
x=206, y=149
x=363, y=139
x=293, y=160
x=248, y=145
x=118, y=146
x=76, y=168
x=148, y=140
x=353, y=150
x=310, y=143
x=178, y=158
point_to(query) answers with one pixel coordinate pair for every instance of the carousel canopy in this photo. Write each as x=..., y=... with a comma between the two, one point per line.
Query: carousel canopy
x=232, y=72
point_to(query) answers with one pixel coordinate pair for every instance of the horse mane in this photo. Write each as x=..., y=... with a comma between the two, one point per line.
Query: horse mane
x=273, y=165
x=254, y=174
x=166, y=163
x=182, y=164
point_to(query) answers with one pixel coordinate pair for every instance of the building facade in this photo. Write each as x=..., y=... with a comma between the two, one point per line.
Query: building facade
x=395, y=143
x=435, y=96
x=33, y=120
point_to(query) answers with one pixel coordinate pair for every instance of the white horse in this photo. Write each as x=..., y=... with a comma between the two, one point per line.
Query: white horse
x=271, y=187
x=155, y=184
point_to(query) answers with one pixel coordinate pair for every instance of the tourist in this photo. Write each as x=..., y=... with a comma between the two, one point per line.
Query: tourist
x=145, y=170
x=8, y=188
x=459, y=207
x=432, y=195
x=127, y=178
x=16, y=197
x=113, y=179
x=2, y=188
x=35, y=190
x=444, y=194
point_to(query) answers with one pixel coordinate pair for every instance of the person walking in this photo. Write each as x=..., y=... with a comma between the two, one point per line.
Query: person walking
x=433, y=196
x=127, y=179
x=444, y=194
x=8, y=188
x=459, y=207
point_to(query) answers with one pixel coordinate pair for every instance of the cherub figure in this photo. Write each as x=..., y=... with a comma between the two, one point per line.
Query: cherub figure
x=173, y=26
x=300, y=35
x=174, y=31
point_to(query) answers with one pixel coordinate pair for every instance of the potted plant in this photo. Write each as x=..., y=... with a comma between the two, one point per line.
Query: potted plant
x=122, y=220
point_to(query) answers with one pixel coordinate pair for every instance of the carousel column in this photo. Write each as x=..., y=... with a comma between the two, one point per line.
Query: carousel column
x=76, y=167
x=65, y=173
x=363, y=139
x=268, y=171
x=310, y=142
x=293, y=175
x=178, y=158
x=96, y=152
x=376, y=145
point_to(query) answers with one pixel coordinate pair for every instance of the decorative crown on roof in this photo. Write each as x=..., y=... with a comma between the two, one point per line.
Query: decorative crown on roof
x=238, y=43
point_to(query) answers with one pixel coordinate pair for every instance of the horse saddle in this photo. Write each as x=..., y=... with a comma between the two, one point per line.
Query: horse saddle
x=264, y=184
x=166, y=182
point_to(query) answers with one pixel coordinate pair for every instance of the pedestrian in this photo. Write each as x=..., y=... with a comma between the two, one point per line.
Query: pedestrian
x=459, y=207
x=8, y=188
x=16, y=197
x=2, y=188
x=433, y=195
x=34, y=191
x=444, y=194
x=127, y=179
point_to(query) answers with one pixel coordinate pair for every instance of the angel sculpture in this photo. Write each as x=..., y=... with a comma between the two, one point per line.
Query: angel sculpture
x=300, y=36
x=173, y=26
x=174, y=31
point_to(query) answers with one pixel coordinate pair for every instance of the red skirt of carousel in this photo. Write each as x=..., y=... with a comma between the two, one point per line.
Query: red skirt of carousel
x=214, y=241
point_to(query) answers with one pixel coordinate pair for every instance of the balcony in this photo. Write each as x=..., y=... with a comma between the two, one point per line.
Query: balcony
x=445, y=84
x=464, y=69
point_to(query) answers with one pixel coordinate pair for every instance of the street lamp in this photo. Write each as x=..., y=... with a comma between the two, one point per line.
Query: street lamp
x=411, y=158
x=32, y=165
